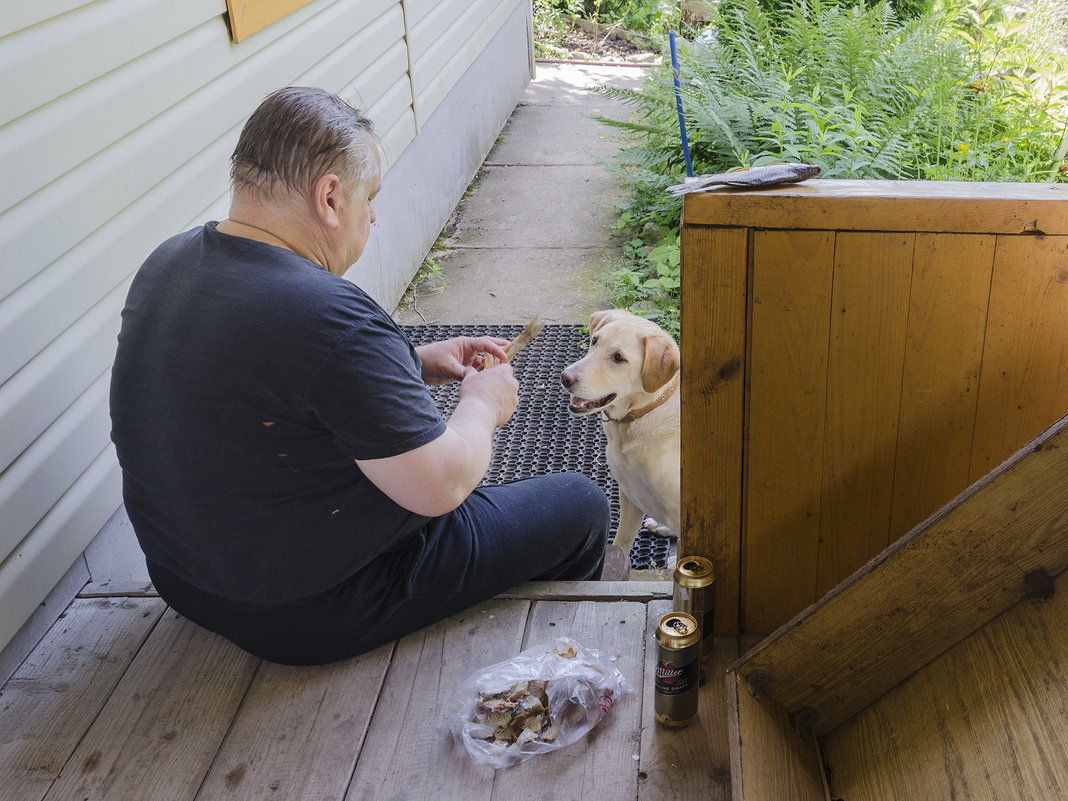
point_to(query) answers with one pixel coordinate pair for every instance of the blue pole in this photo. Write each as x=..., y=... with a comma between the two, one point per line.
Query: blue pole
x=678, y=104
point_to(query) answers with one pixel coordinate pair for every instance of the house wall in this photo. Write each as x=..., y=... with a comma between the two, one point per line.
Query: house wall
x=116, y=124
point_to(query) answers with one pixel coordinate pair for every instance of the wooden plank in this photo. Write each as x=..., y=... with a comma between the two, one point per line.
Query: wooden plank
x=959, y=569
x=770, y=759
x=601, y=764
x=851, y=205
x=408, y=745
x=943, y=363
x=159, y=731
x=591, y=590
x=299, y=731
x=1025, y=359
x=984, y=721
x=791, y=298
x=249, y=16
x=692, y=762
x=869, y=315
x=53, y=698
x=118, y=589
x=714, y=292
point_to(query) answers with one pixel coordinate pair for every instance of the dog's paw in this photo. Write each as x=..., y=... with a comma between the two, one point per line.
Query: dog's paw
x=659, y=529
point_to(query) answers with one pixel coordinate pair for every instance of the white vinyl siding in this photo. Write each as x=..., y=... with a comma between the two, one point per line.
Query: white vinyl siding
x=117, y=120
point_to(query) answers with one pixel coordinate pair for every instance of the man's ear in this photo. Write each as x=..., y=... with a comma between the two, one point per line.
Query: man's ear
x=326, y=194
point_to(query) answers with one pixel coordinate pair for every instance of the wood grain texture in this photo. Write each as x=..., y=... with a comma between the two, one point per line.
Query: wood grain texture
x=833, y=471
x=692, y=762
x=159, y=731
x=1024, y=383
x=299, y=731
x=851, y=205
x=950, y=576
x=770, y=759
x=869, y=318
x=985, y=721
x=122, y=703
x=410, y=727
x=249, y=16
x=715, y=281
x=601, y=764
x=790, y=327
x=51, y=701
x=943, y=363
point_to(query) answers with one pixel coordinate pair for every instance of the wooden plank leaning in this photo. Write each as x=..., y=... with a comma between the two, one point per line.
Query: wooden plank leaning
x=966, y=564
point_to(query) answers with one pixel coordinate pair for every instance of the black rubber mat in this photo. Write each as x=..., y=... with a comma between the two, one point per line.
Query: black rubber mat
x=543, y=436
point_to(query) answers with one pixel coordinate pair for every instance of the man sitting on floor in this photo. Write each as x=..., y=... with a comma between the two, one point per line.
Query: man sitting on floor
x=286, y=470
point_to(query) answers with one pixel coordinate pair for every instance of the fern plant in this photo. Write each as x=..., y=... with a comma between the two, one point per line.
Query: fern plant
x=852, y=88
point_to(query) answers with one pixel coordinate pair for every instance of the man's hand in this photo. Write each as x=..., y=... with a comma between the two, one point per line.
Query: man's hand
x=454, y=359
x=496, y=388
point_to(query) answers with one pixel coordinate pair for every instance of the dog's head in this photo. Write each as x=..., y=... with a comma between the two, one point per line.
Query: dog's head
x=630, y=359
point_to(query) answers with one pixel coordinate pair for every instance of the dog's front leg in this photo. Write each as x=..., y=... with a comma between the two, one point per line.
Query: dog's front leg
x=617, y=556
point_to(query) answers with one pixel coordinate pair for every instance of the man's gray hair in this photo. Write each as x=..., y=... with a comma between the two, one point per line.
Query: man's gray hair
x=299, y=134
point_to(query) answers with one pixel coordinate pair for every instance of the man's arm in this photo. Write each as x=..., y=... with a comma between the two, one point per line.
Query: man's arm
x=435, y=478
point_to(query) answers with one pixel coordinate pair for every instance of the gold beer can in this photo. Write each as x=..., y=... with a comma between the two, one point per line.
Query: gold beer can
x=694, y=594
x=678, y=642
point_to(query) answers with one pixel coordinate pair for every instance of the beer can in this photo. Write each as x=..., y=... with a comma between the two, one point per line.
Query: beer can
x=694, y=594
x=678, y=640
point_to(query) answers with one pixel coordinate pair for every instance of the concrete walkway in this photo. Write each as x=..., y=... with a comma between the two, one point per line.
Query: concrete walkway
x=533, y=234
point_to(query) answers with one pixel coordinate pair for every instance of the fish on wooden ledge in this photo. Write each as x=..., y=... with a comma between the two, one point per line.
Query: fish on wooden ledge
x=752, y=177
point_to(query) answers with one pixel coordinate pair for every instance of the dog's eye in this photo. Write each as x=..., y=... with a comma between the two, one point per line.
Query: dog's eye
x=618, y=357
x=593, y=341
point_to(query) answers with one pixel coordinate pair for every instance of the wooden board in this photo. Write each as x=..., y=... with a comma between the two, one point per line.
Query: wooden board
x=602, y=764
x=851, y=205
x=713, y=389
x=691, y=762
x=985, y=721
x=249, y=16
x=770, y=759
x=790, y=327
x=868, y=318
x=157, y=734
x=1025, y=367
x=125, y=701
x=410, y=727
x=53, y=698
x=950, y=576
x=299, y=731
x=943, y=363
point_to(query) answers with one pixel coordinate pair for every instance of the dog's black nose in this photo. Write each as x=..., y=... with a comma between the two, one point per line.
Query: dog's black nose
x=567, y=379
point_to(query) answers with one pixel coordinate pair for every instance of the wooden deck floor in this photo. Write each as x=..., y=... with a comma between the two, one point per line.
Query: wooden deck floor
x=124, y=700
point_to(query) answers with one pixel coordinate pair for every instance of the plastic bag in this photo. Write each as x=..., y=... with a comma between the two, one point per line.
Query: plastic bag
x=545, y=698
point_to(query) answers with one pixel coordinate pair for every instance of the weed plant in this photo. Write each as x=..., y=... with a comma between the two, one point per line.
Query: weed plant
x=974, y=90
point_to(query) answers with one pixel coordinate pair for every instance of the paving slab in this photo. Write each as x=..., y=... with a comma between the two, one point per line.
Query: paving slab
x=536, y=135
x=548, y=207
x=510, y=285
x=533, y=234
x=569, y=83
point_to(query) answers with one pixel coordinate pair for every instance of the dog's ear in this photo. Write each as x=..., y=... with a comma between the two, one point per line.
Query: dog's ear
x=597, y=319
x=661, y=360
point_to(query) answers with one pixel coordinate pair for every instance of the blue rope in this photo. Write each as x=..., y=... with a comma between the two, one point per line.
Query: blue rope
x=678, y=104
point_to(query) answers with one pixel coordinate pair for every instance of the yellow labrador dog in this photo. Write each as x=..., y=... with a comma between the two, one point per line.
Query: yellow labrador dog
x=631, y=376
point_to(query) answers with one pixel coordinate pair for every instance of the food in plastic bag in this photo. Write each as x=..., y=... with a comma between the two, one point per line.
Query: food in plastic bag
x=545, y=698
